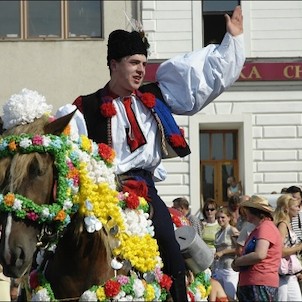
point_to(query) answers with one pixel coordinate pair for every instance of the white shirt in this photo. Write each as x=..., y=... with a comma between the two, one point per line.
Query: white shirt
x=188, y=83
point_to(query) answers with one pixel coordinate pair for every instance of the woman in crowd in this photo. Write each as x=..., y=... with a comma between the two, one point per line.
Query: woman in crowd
x=234, y=187
x=260, y=260
x=225, y=243
x=287, y=208
x=210, y=224
x=233, y=206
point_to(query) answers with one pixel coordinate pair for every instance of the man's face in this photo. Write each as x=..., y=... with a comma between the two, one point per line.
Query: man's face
x=128, y=74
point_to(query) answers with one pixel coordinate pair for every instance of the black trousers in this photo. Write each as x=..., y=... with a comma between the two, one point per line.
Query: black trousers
x=163, y=227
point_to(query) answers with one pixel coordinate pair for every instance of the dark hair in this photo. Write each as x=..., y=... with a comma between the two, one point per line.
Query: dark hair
x=209, y=201
x=259, y=213
x=181, y=202
x=294, y=189
x=234, y=200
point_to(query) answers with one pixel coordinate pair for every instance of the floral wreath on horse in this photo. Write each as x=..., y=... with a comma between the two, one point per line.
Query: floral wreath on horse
x=86, y=184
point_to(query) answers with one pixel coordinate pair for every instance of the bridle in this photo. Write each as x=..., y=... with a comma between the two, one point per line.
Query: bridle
x=53, y=217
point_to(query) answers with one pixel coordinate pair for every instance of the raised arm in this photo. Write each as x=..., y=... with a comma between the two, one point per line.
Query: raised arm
x=191, y=81
x=234, y=24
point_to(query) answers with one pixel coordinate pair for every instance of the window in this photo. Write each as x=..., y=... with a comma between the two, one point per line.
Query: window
x=213, y=19
x=55, y=19
x=218, y=161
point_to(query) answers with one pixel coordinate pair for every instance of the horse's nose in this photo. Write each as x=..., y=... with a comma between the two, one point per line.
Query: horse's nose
x=18, y=257
x=14, y=262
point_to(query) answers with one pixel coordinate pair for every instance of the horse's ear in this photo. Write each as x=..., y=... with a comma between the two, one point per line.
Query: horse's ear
x=57, y=126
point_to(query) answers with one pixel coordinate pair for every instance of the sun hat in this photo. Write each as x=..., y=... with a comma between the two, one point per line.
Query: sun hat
x=258, y=202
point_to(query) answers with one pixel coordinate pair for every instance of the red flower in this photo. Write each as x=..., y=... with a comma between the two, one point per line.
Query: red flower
x=177, y=140
x=165, y=282
x=37, y=140
x=139, y=187
x=32, y=216
x=132, y=201
x=112, y=288
x=191, y=296
x=33, y=279
x=148, y=99
x=108, y=109
x=106, y=152
x=176, y=220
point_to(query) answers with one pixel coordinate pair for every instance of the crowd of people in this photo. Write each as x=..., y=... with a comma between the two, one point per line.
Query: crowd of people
x=252, y=241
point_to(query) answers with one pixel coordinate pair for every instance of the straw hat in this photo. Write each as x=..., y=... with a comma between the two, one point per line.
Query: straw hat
x=258, y=202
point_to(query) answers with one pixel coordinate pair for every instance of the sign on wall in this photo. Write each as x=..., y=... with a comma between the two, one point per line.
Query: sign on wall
x=254, y=71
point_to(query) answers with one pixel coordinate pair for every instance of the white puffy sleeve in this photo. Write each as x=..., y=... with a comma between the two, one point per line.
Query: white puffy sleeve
x=77, y=123
x=191, y=81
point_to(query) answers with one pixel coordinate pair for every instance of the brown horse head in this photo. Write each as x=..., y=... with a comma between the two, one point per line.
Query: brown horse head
x=31, y=176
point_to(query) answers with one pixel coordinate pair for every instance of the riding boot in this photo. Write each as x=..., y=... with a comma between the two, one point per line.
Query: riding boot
x=178, y=289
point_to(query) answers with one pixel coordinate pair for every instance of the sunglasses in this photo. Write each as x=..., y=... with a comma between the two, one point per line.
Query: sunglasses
x=210, y=209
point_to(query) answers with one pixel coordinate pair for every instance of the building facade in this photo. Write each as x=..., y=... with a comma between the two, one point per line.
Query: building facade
x=253, y=130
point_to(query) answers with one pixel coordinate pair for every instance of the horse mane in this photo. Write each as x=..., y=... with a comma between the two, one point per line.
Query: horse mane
x=20, y=163
x=36, y=127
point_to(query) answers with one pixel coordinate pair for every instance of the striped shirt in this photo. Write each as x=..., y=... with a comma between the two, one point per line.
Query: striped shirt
x=297, y=226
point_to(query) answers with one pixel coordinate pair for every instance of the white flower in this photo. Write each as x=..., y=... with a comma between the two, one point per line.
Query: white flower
x=67, y=204
x=46, y=141
x=92, y=224
x=40, y=257
x=120, y=296
x=17, y=204
x=88, y=296
x=40, y=295
x=25, y=143
x=89, y=205
x=24, y=108
x=137, y=222
x=198, y=296
x=138, y=288
x=116, y=264
x=126, y=298
x=45, y=212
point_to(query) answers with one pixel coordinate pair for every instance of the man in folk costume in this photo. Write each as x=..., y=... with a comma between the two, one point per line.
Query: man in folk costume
x=136, y=120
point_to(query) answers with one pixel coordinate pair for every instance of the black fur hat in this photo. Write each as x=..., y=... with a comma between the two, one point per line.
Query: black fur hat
x=122, y=43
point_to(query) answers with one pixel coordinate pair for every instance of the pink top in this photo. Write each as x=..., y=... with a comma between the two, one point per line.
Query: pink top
x=266, y=271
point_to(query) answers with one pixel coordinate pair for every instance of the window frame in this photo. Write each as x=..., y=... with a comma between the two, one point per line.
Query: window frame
x=214, y=34
x=64, y=14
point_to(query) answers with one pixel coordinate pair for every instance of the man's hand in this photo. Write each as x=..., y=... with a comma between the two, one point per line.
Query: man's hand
x=234, y=24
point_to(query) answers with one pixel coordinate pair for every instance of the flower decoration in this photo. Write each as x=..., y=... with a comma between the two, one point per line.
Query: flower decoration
x=107, y=108
x=24, y=108
x=148, y=99
x=112, y=288
x=106, y=152
x=132, y=200
x=200, y=287
x=86, y=183
x=177, y=140
x=125, y=288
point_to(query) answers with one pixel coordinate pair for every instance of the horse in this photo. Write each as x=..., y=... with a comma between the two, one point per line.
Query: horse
x=69, y=229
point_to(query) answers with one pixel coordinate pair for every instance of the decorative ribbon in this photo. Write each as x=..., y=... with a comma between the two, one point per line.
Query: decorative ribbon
x=135, y=136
